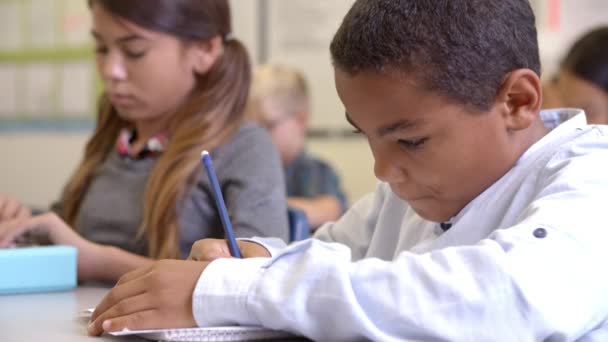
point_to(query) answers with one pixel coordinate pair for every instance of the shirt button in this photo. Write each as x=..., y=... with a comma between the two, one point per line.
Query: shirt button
x=540, y=233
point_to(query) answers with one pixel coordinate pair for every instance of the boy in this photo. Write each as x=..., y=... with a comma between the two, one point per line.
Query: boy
x=280, y=102
x=489, y=224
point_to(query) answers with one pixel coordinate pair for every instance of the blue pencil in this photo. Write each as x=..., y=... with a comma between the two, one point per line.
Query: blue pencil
x=221, y=205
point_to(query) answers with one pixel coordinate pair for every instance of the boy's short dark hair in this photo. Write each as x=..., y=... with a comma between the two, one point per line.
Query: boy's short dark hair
x=461, y=49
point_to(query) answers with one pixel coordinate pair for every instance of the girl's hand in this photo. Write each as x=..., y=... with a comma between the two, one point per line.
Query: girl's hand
x=59, y=233
x=11, y=209
x=153, y=297
x=49, y=224
x=211, y=249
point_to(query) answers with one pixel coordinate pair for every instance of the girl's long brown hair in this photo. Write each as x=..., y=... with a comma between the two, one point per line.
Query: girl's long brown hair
x=213, y=112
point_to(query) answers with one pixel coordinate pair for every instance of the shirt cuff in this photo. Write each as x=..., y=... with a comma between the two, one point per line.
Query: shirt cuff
x=220, y=295
x=273, y=245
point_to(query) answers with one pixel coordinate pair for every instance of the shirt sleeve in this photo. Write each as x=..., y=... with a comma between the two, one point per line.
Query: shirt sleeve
x=354, y=228
x=272, y=245
x=541, y=279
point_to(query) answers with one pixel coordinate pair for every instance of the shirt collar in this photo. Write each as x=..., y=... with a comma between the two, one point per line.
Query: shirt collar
x=555, y=117
x=154, y=146
x=558, y=121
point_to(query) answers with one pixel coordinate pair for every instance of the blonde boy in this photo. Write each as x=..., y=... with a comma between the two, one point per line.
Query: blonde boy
x=280, y=101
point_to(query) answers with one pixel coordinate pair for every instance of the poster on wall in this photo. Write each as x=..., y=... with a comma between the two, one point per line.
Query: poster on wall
x=46, y=62
x=298, y=34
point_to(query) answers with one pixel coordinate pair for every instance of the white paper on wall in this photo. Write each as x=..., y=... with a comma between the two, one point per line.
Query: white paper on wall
x=300, y=32
x=8, y=90
x=40, y=89
x=10, y=26
x=75, y=22
x=245, y=25
x=76, y=89
x=42, y=19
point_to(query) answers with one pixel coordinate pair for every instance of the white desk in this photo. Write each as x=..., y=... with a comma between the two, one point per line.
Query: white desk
x=54, y=317
x=51, y=317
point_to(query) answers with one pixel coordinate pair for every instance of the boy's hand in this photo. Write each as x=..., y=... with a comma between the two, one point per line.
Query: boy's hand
x=11, y=209
x=153, y=297
x=211, y=249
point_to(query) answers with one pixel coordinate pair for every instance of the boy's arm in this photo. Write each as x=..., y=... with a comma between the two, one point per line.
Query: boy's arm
x=533, y=281
x=518, y=287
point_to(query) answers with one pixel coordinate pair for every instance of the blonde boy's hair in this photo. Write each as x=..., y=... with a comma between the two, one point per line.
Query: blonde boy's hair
x=278, y=91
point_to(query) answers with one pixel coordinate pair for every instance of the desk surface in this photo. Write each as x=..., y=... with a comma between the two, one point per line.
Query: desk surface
x=54, y=317
x=51, y=317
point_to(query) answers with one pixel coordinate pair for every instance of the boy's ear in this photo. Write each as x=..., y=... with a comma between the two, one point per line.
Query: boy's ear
x=206, y=53
x=520, y=98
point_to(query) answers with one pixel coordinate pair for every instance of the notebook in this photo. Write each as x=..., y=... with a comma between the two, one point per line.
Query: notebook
x=234, y=333
x=231, y=333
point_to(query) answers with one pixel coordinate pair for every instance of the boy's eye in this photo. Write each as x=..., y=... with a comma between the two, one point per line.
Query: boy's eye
x=134, y=54
x=413, y=143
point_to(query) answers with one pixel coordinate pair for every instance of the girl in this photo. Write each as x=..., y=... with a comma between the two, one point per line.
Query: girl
x=176, y=82
x=582, y=81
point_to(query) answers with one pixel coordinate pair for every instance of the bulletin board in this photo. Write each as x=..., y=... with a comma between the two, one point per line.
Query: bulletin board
x=298, y=33
x=47, y=70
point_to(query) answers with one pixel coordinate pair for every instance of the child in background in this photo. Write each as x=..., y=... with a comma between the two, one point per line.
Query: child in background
x=489, y=223
x=176, y=83
x=280, y=101
x=582, y=81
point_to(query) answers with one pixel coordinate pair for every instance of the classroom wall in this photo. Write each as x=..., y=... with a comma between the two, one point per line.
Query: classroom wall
x=36, y=163
x=35, y=166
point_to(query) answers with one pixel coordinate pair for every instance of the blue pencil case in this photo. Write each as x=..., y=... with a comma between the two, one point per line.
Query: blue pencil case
x=37, y=269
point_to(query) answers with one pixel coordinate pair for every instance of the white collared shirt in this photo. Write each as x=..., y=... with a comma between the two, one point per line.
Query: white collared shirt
x=524, y=261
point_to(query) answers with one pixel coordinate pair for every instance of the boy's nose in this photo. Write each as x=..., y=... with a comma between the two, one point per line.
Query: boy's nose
x=386, y=169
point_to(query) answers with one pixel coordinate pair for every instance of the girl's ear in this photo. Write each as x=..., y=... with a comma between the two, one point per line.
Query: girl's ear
x=205, y=53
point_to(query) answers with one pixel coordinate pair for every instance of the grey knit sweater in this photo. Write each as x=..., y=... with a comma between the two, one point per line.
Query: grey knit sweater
x=250, y=175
